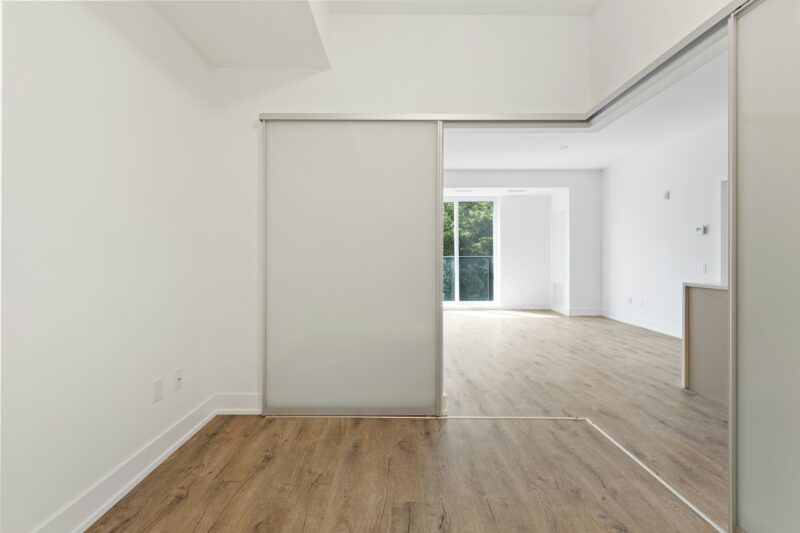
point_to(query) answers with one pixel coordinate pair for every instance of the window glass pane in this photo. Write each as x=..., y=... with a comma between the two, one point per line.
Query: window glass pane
x=448, y=261
x=449, y=244
x=449, y=279
x=476, y=278
x=475, y=229
x=476, y=250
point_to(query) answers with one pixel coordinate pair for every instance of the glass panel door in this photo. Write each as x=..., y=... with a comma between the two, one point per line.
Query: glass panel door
x=766, y=263
x=349, y=330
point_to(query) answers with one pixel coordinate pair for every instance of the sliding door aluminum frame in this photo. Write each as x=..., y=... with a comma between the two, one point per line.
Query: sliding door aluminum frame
x=725, y=16
x=733, y=194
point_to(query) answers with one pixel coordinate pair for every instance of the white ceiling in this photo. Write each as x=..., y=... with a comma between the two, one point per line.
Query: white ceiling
x=463, y=7
x=250, y=33
x=698, y=99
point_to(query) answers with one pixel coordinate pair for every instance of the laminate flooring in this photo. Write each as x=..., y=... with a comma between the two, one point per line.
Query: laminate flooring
x=254, y=474
x=625, y=379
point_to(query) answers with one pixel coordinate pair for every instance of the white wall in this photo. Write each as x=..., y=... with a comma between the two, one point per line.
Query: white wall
x=524, y=250
x=649, y=244
x=628, y=35
x=559, y=251
x=108, y=275
x=415, y=64
x=584, y=254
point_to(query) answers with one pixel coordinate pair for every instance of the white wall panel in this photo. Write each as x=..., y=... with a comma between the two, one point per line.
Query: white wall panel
x=109, y=250
x=524, y=252
x=628, y=35
x=351, y=265
x=650, y=247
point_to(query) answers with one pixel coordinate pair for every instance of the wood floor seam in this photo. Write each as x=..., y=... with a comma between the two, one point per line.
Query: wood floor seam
x=658, y=478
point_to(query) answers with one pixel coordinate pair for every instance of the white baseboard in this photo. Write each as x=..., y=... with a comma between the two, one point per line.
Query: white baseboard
x=92, y=503
x=574, y=311
x=652, y=325
x=238, y=403
x=496, y=307
x=527, y=307
x=588, y=311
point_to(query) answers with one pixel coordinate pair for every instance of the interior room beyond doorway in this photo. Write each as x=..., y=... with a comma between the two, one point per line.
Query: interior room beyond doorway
x=608, y=244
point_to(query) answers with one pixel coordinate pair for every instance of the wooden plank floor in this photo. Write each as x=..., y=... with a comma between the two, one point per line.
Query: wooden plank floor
x=623, y=378
x=254, y=474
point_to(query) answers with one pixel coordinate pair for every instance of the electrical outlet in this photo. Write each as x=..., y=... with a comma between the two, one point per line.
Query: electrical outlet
x=158, y=389
x=179, y=379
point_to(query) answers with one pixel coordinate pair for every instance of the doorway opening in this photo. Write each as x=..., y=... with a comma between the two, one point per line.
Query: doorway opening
x=610, y=270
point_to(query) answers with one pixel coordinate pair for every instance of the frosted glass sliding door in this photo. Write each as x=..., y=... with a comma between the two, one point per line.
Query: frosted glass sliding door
x=767, y=265
x=353, y=259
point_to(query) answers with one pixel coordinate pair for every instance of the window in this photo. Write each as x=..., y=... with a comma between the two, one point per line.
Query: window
x=448, y=261
x=468, y=276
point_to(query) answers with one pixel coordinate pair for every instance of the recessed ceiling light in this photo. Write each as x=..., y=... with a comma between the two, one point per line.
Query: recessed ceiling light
x=564, y=146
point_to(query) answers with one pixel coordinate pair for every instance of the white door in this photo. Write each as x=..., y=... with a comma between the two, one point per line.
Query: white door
x=767, y=265
x=353, y=266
